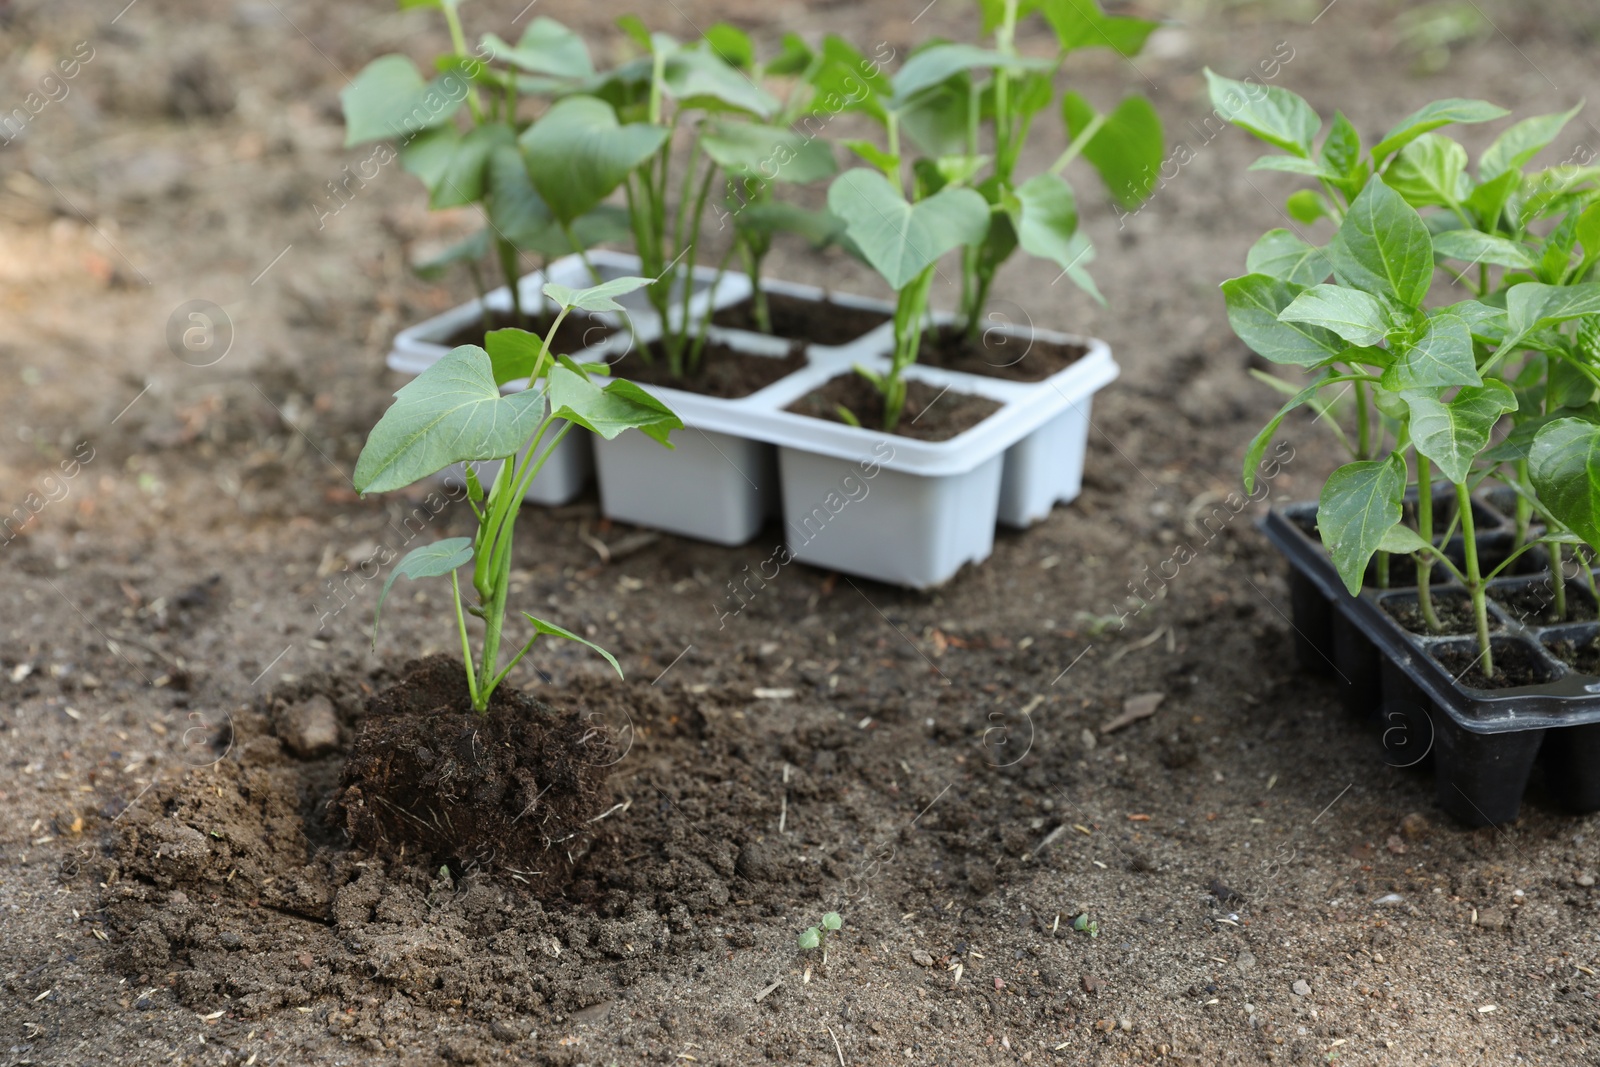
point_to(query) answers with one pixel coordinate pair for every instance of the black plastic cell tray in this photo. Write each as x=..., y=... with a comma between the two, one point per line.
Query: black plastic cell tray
x=1484, y=743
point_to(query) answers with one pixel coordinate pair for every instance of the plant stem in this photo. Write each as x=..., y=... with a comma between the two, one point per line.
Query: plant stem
x=458, y=41
x=508, y=270
x=1425, y=531
x=1475, y=585
x=1524, y=505
x=1084, y=136
x=466, y=646
x=1558, y=579
x=1363, y=431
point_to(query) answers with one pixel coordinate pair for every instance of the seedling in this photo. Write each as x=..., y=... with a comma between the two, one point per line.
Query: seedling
x=816, y=937
x=487, y=164
x=455, y=412
x=1085, y=925
x=1429, y=385
x=969, y=110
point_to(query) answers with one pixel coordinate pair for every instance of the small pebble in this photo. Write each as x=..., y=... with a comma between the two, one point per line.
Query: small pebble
x=1586, y=879
x=1125, y=1025
x=1093, y=984
x=1414, y=827
x=1389, y=899
x=1301, y=987
x=921, y=957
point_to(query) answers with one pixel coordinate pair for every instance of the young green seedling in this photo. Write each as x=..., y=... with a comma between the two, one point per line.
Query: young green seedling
x=1085, y=925
x=484, y=164
x=456, y=412
x=816, y=937
x=1429, y=384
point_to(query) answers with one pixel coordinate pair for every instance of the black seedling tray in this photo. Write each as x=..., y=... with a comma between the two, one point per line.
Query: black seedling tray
x=1483, y=742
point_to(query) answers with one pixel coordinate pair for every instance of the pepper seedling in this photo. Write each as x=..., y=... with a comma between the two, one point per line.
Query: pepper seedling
x=1430, y=384
x=816, y=937
x=456, y=412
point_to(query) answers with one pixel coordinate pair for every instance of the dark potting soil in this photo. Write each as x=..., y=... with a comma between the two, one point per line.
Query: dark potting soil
x=431, y=779
x=930, y=413
x=995, y=354
x=1535, y=604
x=1453, y=609
x=724, y=372
x=824, y=323
x=1514, y=665
x=577, y=331
x=1581, y=655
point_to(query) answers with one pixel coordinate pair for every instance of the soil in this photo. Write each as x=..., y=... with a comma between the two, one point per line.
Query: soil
x=930, y=413
x=996, y=354
x=1514, y=665
x=1453, y=609
x=723, y=371
x=804, y=320
x=577, y=332
x=1581, y=655
x=1535, y=604
x=515, y=788
x=172, y=889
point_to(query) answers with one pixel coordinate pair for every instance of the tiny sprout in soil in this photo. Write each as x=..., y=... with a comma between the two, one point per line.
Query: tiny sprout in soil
x=1085, y=925
x=455, y=412
x=816, y=937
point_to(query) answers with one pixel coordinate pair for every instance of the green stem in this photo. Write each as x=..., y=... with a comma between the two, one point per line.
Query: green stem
x=1524, y=505
x=1558, y=579
x=1363, y=430
x=508, y=270
x=1084, y=136
x=1475, y=584
x=458, y=41
x=466, y=647
x=1425, y=531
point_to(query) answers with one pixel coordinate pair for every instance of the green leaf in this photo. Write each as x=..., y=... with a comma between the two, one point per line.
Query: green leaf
x=1488, y=200
x=513, y=353
x=1431, y=117
x=845, y=80
x=938, y=120
x=1564, y=466
x=1441, y=357
x=1533, y=306
x=1350, y=313
x=937, y=63
x=1341, y=149
x=1474, y=247
x=546, y=47
x=1046, y=220
x=473, y=248
x=516, y=211
x=794, y=56
x=1258, y=444
x=732, y=45
x=1360, y=504
x=425, y=561
x=462, y=180
x=450, y=413
x=1285, y=255
x=1272, y=113
x=620, y=405
x=1081, y=24
x=541, y=628
x=1254, y=303
x=810, y=939
x=770, y=153
x=1453, y=433
x=1306, y=206
x=578, y=153
x=1126, y=150
x=901, y=239
x=389, y=100
x=1402, y=541
x=832, y=921
x=820, y=228
x=871, y=153
x=596, y=297
x=1430, y=171
x=699, y=78
x=1521, y=142
x=1383, y=246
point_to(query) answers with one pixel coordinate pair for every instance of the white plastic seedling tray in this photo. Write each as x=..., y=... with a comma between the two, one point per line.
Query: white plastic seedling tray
x=869, y=343
x=570, y=466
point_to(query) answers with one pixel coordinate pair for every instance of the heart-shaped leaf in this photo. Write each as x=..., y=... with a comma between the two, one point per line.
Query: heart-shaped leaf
x=701, y=79
x=1081, y=24
x=425, y=561
x=1286, y=255
x=513, y=353
x=769, y=153
x=1046, y=220
x=600, y=297
x=578, y=153
x=546, y=47
x=1350, y=313
x=1453, y=433
x=1360, y=504
x=1271, y=112
x=1431, y=117
x=1564, y=465
x=1126, y=150
x=620, y=405
x=389, y=101
x=937, y=63
x=1383, y=246
x=1254, y=303
x=901, y=239
x=450, y=413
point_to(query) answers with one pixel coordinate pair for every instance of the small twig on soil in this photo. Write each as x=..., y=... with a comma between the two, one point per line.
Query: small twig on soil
x=1145, y=642
x=783, y=809
x=836, y=1047
x=624, y=806
x=763, y=994
x=1050, y=838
